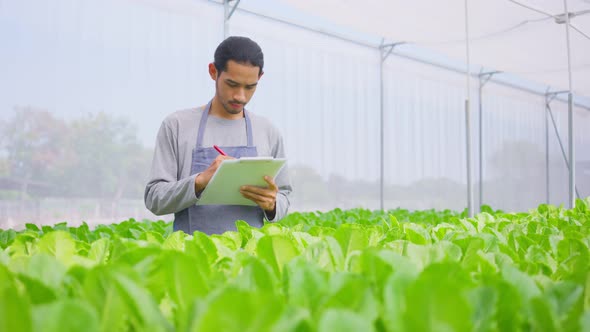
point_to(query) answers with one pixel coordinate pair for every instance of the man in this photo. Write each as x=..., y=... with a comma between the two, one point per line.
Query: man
x=185, y=160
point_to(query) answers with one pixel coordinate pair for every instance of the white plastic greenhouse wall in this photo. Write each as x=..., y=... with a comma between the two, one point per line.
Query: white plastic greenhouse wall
x=142, y=60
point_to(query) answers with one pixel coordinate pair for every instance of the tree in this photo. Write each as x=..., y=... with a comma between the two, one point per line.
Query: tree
x=94, y=156
x=32, y=142
x=108, y=160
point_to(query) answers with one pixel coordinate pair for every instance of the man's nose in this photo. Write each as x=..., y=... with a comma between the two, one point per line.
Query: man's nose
x=240, y=96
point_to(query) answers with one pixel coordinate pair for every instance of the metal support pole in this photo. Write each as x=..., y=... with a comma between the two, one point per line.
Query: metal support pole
x=570, y=113
x=381, y=140
x=228, y=11
x=552, y=96
x=467, y=119
x=225, y=18
x=572, y=156
x=385, y=50
x=547, y=150
x=468, y=147
x=483, y=79
x=479, y=96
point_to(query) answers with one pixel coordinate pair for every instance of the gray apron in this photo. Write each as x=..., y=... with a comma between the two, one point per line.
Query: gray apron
x=216, y=219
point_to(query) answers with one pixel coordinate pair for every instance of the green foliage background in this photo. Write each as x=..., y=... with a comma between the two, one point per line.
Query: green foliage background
x=354, y=270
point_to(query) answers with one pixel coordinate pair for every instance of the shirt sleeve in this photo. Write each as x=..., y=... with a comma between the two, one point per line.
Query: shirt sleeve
x=165, y=193
x=283, y=182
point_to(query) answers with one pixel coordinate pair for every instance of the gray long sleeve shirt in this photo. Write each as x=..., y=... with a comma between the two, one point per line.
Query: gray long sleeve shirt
x=171, y=186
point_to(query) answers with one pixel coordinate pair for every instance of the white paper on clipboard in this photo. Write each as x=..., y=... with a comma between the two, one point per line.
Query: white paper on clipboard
x=224, y=186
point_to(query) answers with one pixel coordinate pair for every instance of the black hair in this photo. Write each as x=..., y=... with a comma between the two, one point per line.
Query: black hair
x=241, y=50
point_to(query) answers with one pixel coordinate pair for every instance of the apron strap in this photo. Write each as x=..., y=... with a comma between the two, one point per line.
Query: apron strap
x=202, y=125
x=248, y=129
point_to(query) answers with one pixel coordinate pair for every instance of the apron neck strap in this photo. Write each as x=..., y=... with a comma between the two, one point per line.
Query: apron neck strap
x=203, y=124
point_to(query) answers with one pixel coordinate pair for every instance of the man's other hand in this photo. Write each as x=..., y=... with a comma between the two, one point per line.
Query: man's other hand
x=265, y=197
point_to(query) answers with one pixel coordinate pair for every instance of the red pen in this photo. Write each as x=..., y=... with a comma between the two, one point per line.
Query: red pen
x=219, y=150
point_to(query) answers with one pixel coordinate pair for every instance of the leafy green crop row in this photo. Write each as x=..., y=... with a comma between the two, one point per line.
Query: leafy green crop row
x=354, y=270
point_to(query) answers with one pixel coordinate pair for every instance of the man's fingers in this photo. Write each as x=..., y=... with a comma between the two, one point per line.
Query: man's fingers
x=217, y=162
x=221, y=158
x=258, y=190
x=272, y=187
x=263, y=192
x=254, y=196
x=263, y=197
x=271, y=183
x=264, y=202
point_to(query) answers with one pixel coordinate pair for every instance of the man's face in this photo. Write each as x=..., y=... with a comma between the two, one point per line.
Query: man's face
x=235, y=86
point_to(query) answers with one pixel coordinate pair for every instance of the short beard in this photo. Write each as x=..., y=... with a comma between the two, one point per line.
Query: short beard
x=231, y=110
x=227, y=107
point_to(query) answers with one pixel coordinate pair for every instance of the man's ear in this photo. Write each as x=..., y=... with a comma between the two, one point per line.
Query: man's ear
x=213, y=71
x=260, y=75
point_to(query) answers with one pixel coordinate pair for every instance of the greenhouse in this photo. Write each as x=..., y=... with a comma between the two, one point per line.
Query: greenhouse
x=426, y=165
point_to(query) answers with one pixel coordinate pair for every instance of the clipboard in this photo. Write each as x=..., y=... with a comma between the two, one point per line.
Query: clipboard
x=224, y=186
